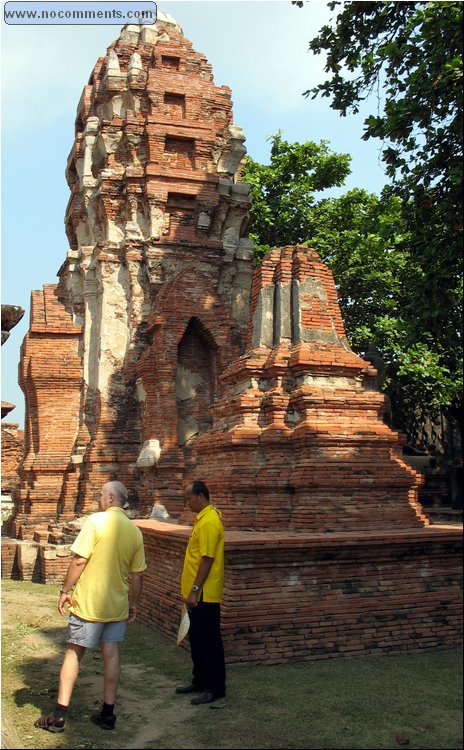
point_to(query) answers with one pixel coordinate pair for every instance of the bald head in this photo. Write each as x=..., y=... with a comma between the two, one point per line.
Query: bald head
x=116, y=493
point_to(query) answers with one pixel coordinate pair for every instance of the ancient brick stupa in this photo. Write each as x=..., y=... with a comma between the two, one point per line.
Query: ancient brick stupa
x=162, y=355
x=123, y=356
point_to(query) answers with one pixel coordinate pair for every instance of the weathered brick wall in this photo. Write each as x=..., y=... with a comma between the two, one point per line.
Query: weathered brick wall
x=9, y=552
x=35, y=561
x=54, y=562
x=160, y=603
x=12, y=454
x=298, y=596
x=318, y=596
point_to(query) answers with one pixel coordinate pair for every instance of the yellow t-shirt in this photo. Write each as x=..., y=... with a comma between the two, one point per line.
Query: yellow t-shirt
x=113, y=547
x=206, y=540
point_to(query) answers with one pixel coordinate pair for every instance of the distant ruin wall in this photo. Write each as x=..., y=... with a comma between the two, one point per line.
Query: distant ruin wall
x=12, y=453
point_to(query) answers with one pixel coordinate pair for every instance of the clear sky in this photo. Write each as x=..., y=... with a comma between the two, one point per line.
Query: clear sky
x=259, y=49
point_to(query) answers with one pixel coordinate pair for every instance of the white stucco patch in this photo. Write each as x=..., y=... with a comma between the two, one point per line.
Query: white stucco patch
x=186, y=382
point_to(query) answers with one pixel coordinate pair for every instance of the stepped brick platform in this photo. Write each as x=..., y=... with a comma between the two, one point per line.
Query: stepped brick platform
x=162, y=356
x=311, y=596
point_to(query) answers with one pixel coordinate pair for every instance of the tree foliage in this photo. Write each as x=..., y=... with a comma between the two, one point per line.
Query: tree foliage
x=367, y=242
x=403, y=60
x=283, y=190
x=407, y=58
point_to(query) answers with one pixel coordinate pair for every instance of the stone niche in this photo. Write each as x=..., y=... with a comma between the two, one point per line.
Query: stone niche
x=163, y=355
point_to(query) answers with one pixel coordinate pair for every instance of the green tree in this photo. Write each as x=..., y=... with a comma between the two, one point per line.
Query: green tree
x=283, y=190
x=366, y=241
x=405, y=59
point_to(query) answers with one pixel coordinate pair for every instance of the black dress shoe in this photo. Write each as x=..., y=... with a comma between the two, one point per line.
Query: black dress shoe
x=190, y=688
x=105, y=722
x=206, y=697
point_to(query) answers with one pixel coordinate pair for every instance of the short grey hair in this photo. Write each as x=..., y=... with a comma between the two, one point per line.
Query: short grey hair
x=119, y=490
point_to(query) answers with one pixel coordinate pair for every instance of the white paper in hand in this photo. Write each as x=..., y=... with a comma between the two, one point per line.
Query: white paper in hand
x=184, y=625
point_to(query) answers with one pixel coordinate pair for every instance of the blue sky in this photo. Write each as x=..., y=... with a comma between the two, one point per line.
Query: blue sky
x=259, y=49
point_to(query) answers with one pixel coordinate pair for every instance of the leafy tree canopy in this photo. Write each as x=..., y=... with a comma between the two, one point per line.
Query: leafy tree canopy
x=283, y=191
x=368, y=243
x=407, y=58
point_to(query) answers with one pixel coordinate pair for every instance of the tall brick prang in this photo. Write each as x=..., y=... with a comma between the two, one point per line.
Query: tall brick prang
x=124, y=352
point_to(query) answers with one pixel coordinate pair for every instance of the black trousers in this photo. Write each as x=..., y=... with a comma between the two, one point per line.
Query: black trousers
x=206, y=648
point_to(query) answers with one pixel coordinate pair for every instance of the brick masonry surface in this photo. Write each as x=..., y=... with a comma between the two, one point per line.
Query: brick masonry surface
x=306, y=596
x=162, y=355
x=12, y=453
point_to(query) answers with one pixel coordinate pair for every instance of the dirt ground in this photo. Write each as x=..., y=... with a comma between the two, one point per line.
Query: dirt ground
x=149, y=714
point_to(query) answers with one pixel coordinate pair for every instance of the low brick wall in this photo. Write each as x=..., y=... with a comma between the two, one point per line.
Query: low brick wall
x=298, y=596
x=27, y=560
x=306, y=597
x=10, y=568
x=54, y=562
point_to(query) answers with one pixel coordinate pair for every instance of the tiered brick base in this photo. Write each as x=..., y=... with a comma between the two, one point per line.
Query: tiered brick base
x=305, y=596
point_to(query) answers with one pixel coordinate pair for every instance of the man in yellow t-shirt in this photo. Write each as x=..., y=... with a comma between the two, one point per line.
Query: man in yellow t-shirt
x=106, y=575
x=202, y=584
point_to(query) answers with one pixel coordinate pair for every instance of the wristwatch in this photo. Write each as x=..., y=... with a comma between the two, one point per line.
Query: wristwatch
x=195, y=588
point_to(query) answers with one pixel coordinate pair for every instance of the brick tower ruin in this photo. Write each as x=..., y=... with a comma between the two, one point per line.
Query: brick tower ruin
x=122, y=357
x=163, y=355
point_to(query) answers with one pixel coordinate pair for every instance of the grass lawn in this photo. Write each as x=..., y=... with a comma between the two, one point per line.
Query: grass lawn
x=412, y=700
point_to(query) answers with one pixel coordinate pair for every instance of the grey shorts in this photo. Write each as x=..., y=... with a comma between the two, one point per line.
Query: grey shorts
x=90, y=634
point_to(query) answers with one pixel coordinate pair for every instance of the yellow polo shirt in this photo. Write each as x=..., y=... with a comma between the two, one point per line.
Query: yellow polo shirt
x=206, y=540
x=113, y=547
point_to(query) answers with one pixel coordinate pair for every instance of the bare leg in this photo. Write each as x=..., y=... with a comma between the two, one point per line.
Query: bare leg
x=69, y=672
x=111, y=671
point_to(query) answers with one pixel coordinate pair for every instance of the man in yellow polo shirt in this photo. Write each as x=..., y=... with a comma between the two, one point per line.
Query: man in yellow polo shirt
x=108, y=548
x=202, y=584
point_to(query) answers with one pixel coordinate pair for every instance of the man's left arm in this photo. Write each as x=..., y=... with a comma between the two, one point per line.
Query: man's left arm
x=204, y=568
x=76, y=566
x=135, y=589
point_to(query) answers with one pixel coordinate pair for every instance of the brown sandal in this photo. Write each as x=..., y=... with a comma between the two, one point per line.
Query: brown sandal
x=50, y=724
